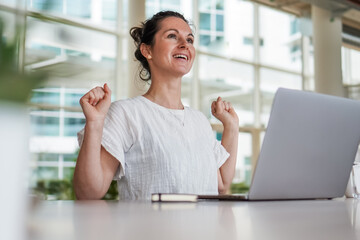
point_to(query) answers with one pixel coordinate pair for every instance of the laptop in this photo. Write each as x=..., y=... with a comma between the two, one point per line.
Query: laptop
x=308, y=149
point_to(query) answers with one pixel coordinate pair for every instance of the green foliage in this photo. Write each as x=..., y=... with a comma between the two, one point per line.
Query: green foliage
x=112, y=193
x=56, y=189
x=239, y=187
x=15, y=85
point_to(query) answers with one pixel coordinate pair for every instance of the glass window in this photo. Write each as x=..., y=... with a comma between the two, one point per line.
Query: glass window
x=271, y=80
x=73, y=125
x=211, y=25
x=205, y=5
x=353, y=92
x=87, y=10
x=351, y=71
x=47, y=6
x=186, y=90
x=311, y=57
x=46, y=172
x=223, y=31
x=109, y=13
x=351, y=63
x=48, y=157
x=170, y=4
x=294, y=26
x=68, y=172
x=11, y=3
x=154, y=6
x=45, y=125
x=76, y=60
x=72, y=99
x=205, y=21
x=220, y=22
x=79, y=8
x=45, y=96
x=231, y=80
x=355, y=63
x=280, y=47
x=83, y=58
x=220, y=4
x=70, y=157
x=205, y=40
x=8, y=25
x=243, y=163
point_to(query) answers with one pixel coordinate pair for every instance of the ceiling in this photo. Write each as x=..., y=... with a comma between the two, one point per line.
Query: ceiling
x=348, y=10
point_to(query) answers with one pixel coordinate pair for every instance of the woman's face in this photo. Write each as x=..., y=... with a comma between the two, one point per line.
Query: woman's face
x=173, y=51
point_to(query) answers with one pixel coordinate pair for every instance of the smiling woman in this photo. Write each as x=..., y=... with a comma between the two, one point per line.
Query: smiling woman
x=153, y=143
x=170, y=56
x=145, y=36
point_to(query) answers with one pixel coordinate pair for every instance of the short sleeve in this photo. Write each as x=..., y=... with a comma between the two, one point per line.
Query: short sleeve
x=80, y=136
x=117, y=135
x=221, y=155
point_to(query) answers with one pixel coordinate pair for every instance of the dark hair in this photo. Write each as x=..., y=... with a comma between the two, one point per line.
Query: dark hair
x=145, y=34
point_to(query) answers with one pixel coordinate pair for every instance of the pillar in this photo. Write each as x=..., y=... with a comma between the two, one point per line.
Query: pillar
x=327, y=44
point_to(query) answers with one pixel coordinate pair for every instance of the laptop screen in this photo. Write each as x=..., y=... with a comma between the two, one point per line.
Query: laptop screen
x=309, y=147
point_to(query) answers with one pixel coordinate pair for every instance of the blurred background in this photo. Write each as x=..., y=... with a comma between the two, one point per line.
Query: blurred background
x=245, y=51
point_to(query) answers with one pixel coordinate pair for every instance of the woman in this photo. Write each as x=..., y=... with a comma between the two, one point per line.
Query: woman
x=152, y=143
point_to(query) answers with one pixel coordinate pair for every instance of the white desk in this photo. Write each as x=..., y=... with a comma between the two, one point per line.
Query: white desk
x=321, y=219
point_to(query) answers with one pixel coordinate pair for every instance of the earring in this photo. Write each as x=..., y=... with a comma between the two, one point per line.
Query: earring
x=149, y=57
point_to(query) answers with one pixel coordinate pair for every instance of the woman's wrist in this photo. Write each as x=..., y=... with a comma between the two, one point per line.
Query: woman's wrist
x=94, y=125
x=231, y=124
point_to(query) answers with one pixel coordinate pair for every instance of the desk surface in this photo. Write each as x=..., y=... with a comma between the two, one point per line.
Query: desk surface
x=320, y=219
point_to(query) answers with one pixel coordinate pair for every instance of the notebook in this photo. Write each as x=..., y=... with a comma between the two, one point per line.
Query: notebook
x=308, y=149
x=173, y=197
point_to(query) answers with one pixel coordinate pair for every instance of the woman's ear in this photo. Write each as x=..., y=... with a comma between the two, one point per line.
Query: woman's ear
x=145, y=51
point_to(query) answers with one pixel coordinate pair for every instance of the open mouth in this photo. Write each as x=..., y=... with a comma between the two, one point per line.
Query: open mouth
x=181, y=56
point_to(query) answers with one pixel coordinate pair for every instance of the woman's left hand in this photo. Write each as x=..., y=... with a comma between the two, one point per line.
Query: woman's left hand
x=224, y=111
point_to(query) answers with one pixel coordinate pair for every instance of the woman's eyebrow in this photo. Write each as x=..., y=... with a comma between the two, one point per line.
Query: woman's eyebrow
x=173, y=29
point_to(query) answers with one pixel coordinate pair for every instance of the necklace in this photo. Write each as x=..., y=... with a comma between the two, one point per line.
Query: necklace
x=155, y=100
x=177, y=113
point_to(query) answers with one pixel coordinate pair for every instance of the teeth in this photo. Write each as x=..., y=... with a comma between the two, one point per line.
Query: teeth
x=181, y=56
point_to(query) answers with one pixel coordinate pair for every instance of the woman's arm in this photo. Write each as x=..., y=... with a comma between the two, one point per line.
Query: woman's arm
x=95, y=167
x=225, y=113
x=230, y=142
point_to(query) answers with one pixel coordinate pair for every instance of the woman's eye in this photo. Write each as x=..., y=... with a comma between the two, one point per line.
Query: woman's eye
x=171, y=35
x=190, y=40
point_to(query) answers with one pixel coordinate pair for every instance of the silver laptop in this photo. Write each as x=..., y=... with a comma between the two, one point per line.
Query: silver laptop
x=308, y=149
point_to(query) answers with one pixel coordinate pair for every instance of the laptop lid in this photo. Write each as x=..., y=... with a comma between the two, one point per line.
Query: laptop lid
x=309, y=147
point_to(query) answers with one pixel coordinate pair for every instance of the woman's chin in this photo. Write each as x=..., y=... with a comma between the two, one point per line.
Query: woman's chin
x=182, y=71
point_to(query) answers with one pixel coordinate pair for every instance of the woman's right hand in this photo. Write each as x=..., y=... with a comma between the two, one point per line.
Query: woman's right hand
x=96, y=103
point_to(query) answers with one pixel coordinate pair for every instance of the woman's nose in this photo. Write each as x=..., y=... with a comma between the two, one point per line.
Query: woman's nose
x=183, y=43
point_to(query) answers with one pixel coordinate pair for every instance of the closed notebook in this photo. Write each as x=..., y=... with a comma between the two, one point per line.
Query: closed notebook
x=179, y=197
x=173, y=197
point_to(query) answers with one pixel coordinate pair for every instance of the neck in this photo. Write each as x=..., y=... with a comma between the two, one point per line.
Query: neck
x=166, y=94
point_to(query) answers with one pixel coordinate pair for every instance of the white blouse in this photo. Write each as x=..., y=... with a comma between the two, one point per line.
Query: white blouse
x=161, y=150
